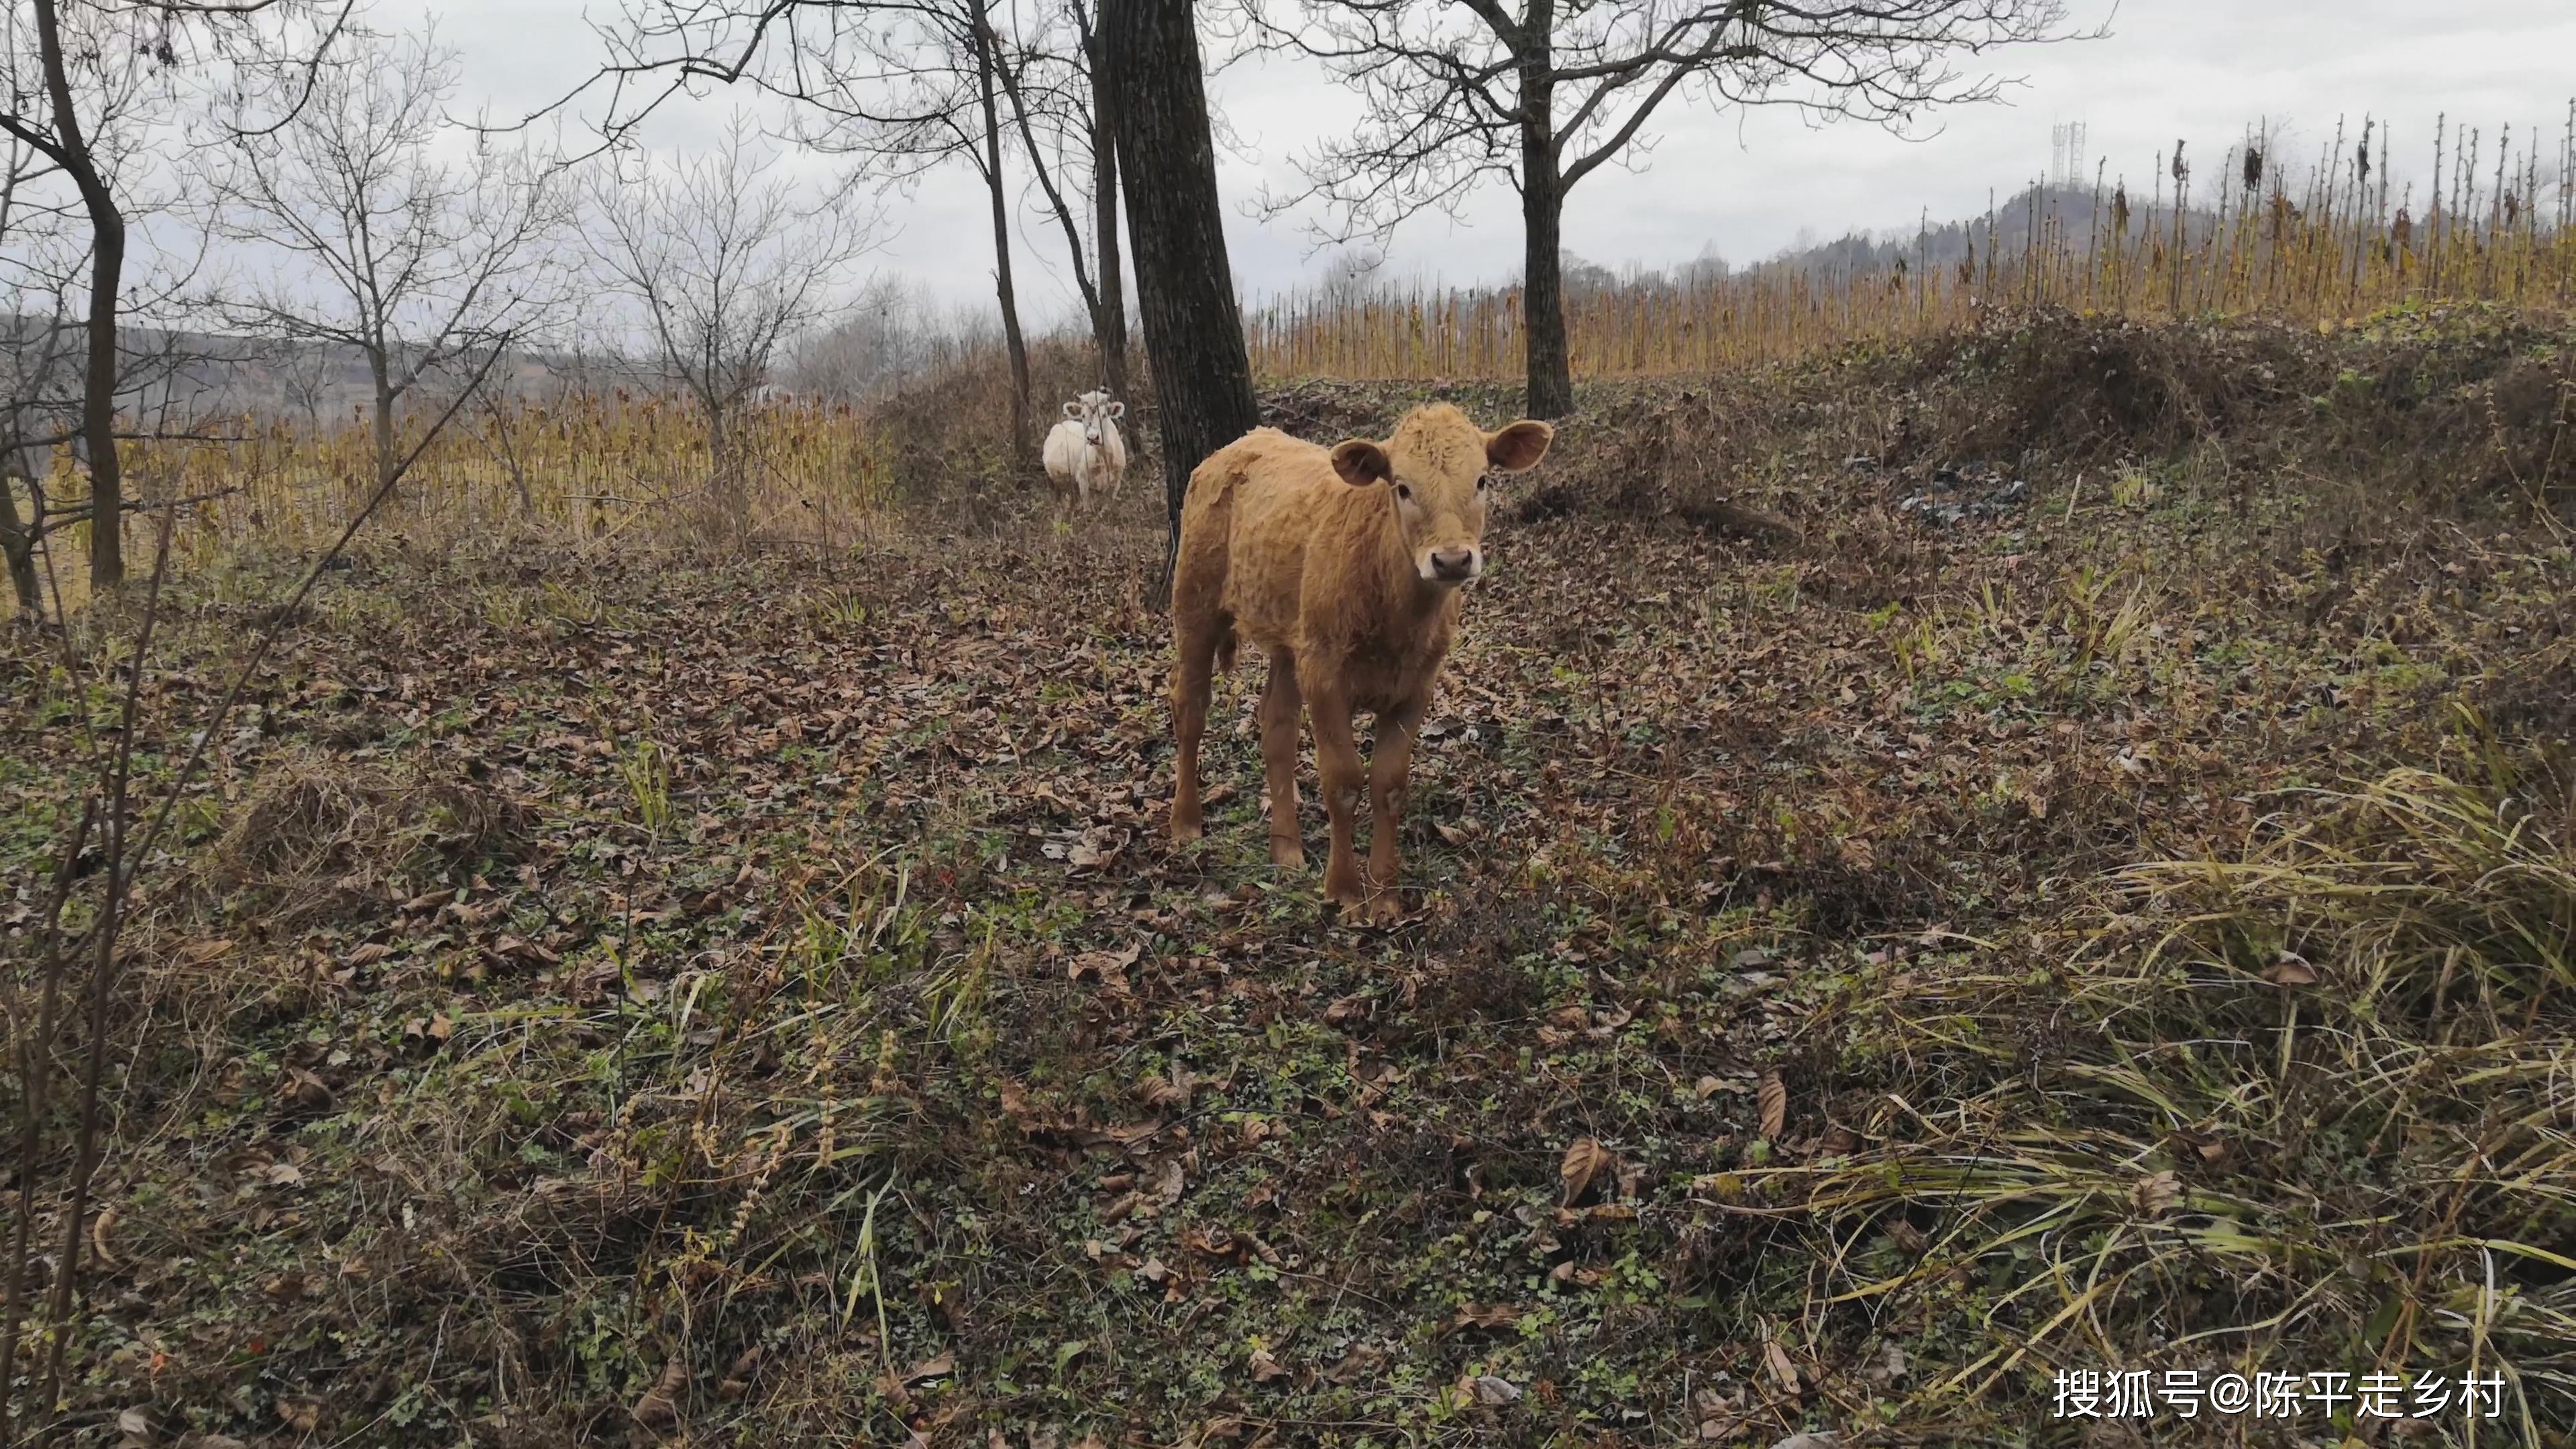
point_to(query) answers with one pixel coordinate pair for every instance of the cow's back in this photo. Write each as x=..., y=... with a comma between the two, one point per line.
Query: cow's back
x=1252, y=508
x=1063, y=452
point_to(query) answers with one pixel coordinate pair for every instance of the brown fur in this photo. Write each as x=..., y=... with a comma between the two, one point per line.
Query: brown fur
x=1345, y=567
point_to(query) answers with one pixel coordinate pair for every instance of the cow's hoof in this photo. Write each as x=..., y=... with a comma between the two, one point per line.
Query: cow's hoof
x=1287, y=854
x=1184, y=831
x=1385, y=910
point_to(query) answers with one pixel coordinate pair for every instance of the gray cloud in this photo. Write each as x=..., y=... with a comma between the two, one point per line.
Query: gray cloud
x=1749, y=182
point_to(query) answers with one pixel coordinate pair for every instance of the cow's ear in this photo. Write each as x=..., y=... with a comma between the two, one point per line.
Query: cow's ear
x=1361, y=463
x=1073, y=410
x=1518, y=447
x=1118, y=410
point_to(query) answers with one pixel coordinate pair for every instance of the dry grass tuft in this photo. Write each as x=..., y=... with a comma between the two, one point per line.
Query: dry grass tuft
x=2312, y=1093
x=325, y=837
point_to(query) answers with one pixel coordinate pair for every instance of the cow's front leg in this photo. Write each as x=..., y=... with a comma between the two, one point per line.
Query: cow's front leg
x=1390, y=771
x=1337, y=760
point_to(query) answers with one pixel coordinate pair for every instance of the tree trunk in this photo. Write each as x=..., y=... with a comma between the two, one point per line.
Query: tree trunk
x=987, y=57
x=107, y=268
x=1551, y=374
x=18, y=541
x=1184, y=288
x=381, y=415
x=728, y=507
x=1109, y=327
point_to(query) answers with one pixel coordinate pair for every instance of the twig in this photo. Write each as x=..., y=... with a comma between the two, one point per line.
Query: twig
x=124, y=866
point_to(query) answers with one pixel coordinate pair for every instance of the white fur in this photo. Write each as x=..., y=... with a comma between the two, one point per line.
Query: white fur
x=1085, y=452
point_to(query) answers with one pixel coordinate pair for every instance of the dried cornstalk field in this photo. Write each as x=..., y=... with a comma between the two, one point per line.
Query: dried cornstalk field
x=622, y=465
x=2251, y=243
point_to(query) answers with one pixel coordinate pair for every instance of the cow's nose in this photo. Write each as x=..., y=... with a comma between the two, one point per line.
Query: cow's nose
x=1453, y=563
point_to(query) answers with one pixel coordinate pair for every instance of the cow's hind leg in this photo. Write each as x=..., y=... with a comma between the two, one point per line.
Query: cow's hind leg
x=1280, y=705
x=1198, y=640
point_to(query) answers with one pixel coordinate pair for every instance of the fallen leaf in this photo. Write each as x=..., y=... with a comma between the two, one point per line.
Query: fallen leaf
x=1265, y=1368
x=2291, y=970
x=2157, y=1193
x=1175, y=1090
x=1358, y=1361
x=661, y=1403
x=1774, y=1097
x=1494, y=1391
x=307, y=1091
x=1783, y=1372
x=938, y=1366
x=1109, y=968
x=1015, y=1104
x=1585, y=1159
x=1886, y=1368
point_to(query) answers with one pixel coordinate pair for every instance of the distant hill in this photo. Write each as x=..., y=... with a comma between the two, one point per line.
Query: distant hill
x=2077, y=213
x=183, y=374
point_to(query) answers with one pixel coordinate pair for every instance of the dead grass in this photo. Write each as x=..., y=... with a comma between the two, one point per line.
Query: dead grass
x=2111, y=932
x=326, y=838
x=2310, y=1094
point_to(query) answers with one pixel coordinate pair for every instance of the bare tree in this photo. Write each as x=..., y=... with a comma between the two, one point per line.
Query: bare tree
x=80, y=73
x=309, y=378
x=380, y=246
x=40, y=380
x=128, y=74
x=1109, y=308
x=874, y=70
x=724, y=268
x=904, y=86
x=888, y=335
x=1063, y=116
x=1543, y=93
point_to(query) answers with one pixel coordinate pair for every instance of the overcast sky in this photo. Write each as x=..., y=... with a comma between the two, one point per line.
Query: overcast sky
x=1746, y=184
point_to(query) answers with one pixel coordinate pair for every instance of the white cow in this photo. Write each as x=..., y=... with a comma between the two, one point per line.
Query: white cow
x=1084, y=452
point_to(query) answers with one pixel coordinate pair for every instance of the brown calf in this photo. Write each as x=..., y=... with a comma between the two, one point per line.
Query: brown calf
x=1345, y=567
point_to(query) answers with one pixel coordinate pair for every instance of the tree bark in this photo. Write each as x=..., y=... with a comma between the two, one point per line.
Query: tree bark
x=1184, y=288
x=381, y=413
x=18, y=540
x=107, y=268
x=1109, y=326
x=1551, y=373
x=987, y=56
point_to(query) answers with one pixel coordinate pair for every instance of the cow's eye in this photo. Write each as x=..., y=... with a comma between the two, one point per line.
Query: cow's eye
x=1404, y=492
x=1484, y=481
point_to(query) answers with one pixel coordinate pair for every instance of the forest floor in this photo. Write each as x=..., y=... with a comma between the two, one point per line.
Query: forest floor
x=634, y=996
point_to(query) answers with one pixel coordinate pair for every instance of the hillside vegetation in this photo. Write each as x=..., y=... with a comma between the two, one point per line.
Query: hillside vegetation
x=2044, y=848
